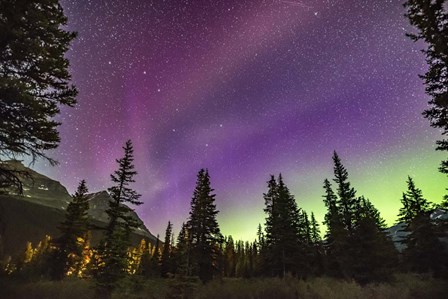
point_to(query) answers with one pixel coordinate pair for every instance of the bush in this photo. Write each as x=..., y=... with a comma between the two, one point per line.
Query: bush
x=404, y=286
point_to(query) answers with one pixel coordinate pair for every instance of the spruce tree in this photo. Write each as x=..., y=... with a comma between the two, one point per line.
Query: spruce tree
x=183, y=252
x=315, y=230
x=154, y=263
x=69, y=246
x=203, y=228
x=430, y=18
x=355, y=232
x=374, y=254
x=347, y=195
x=166, y=260
x=424, y=251
x=284, y=251
x=113, y=249
x=347, y=205
x=317, y=250
x=260, y=260
x=414, y=204
x=34, y=79
x=336, y=237
x=229, y=258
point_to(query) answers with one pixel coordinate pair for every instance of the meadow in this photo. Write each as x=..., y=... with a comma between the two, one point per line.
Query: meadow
x=402, y=287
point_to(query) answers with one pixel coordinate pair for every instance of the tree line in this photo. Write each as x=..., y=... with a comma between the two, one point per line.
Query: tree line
x=356, y=245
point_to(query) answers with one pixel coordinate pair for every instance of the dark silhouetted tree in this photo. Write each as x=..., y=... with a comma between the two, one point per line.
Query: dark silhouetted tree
x=336, y=237
x=34, y=79
x=355, y=232
x=424, y=252
x=317, y=250
x=347, y=195
x=375, y=255
x=203, y=228
x=69, y=246
x=284, y=247
x=183, y=252
x=430, y=18
x=414, y=203
x=166, y=260
x=315, y=230
x=113, y=249
x=230, y=258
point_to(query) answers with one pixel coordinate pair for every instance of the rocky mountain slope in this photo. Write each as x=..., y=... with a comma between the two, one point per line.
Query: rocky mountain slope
x=38, y=212
x=398, y=233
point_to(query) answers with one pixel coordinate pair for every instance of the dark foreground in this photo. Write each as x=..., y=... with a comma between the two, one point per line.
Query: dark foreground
x=404, y=286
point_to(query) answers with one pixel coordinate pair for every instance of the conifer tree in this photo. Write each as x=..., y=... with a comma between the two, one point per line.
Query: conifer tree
x=305, y=228
x=154, y=265
x=145, y=263
x=355, y=232
x=414, y=204
x=430, y=18
x=373, y=250
x=424, y=251
x=347, y=195
x=166, y=260
x=260, y=259
x=203, y=228
x=336, y=237
x=229, y=258
x=317, y=251
x=315, y=230
x=69, y=245
x=183, y=252
x=34, y=79
x=332, y=215
x=284, y=247
x=113, y=249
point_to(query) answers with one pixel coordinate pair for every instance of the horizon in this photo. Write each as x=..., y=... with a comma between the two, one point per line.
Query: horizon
x=246, y=89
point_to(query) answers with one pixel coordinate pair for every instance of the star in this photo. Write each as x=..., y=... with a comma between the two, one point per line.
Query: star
x=290, y=81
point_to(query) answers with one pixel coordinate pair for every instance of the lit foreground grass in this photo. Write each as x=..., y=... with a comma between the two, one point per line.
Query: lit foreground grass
x=404, y=286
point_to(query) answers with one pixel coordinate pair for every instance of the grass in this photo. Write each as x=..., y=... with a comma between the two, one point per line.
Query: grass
x=404, y=286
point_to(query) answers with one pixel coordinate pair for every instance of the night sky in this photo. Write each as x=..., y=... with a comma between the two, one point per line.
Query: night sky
x=246, y=89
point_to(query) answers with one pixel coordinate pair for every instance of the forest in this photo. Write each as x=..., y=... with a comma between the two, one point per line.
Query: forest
x=351, y=254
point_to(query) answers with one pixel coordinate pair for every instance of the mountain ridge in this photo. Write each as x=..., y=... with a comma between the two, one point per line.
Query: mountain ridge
x=41, y=208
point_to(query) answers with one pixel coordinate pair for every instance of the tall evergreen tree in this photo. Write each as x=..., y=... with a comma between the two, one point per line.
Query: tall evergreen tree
x=229, y=258
x=424, y=251
x=68, y=252
x=374, y=253
x=34, y=79
x=260, y=260
x=183, y=252
x=347, y=195
x=317, y=250
x=154, y=264
x=430, y=18
x=113, y=249
x=284, y=246
x=203, y=228
x=355, y=232
x=315, y=230
x=166, y=261
x=336, y=237
x=414, y=204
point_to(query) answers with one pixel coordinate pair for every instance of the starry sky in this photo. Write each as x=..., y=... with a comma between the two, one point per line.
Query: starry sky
x=246, y=89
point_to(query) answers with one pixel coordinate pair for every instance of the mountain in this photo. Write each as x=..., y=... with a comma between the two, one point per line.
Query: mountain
x=41, y=208
x=398, y=233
